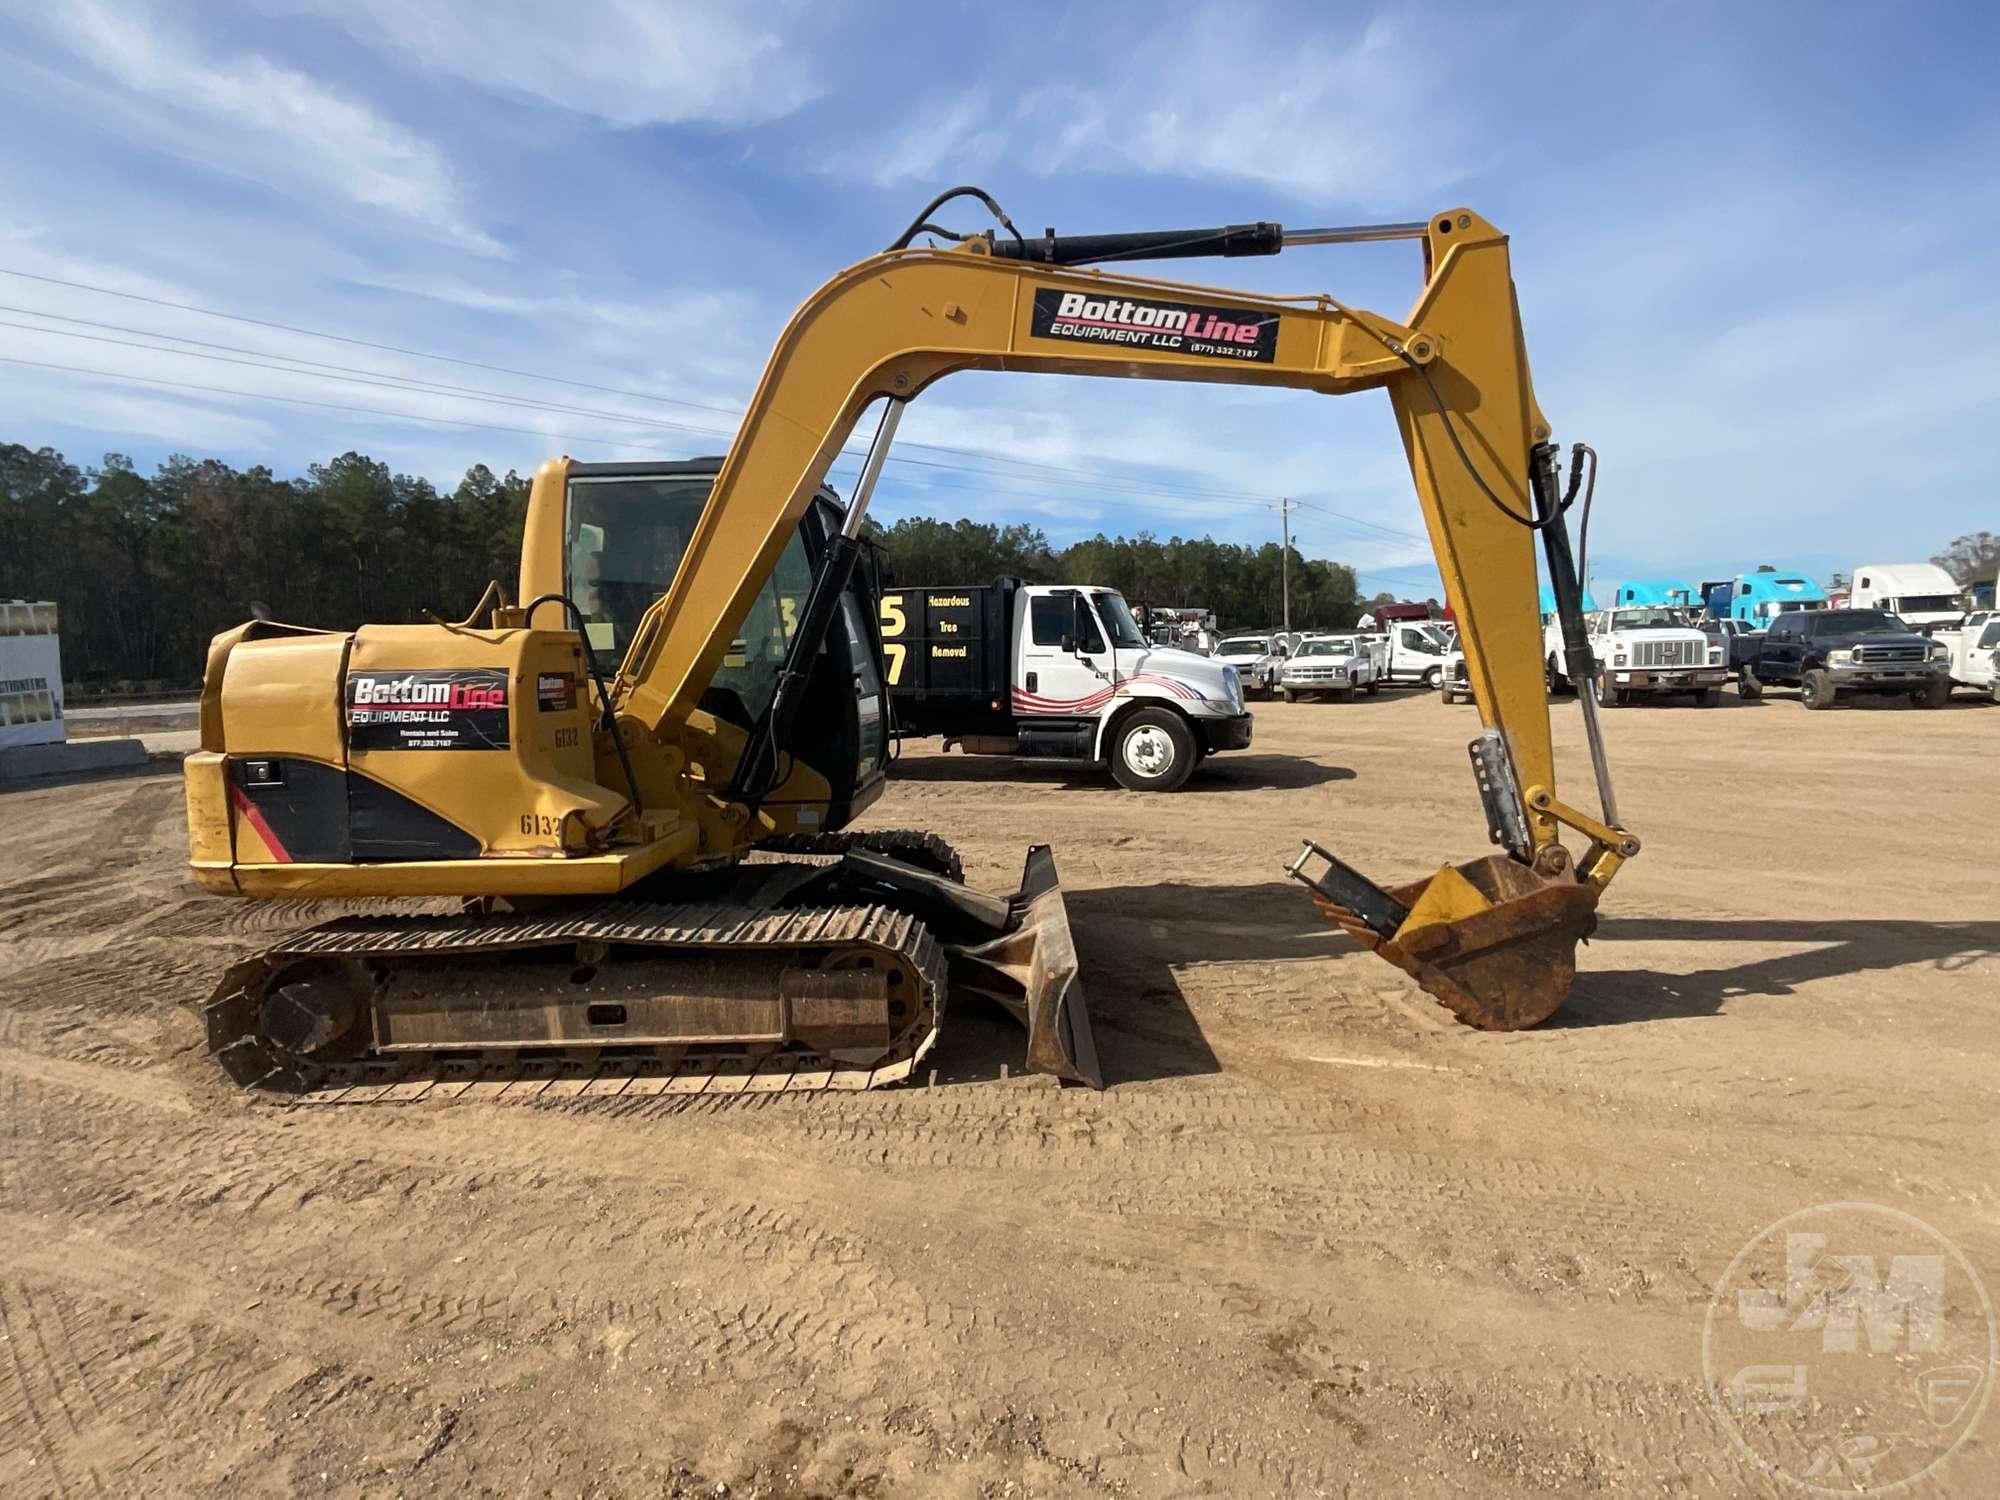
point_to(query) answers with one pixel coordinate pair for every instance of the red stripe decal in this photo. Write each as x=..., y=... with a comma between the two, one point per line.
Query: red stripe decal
x=247, y=810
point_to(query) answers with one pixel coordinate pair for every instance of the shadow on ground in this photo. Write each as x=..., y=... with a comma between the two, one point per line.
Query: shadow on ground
x=1131, y=940
x=1613, y=996
x=1227, y=771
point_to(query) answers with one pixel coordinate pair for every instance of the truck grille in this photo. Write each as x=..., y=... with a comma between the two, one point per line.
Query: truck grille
x=1669, y=653
x=1315, y=674
x=1875, y=654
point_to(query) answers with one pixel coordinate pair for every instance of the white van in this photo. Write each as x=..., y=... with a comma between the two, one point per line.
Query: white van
x=1919, y=594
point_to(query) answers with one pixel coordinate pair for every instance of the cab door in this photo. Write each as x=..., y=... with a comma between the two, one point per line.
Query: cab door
x=1062, y=665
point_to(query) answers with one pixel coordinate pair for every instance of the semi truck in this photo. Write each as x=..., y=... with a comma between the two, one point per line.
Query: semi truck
x=1918, y=594
x=1759, y=598
x=1673, y=593
x=1055, y=673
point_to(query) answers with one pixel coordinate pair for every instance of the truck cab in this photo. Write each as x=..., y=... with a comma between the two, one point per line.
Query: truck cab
x=1759, y=598
x=1921, y=595
x=1652, y=651
x=1055, y=673
x=1672, y=593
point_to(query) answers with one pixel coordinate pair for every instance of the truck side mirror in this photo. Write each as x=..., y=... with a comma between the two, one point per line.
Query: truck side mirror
x=1068, y=643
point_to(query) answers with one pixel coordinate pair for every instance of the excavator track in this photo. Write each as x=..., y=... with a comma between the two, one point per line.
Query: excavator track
x=507, y=1005
x=925, y=850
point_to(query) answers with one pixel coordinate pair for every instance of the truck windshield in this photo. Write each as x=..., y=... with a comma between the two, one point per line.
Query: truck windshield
x=1118, y=621
x=1327, y=648
x=1930, y=604
x=1860, y=622
x=1646, y=619
x=1244, y=645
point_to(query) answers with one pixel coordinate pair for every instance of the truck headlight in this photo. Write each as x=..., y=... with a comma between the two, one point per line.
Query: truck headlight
x=1715, y=656
x=1618, y=660
x=1939, y=651
x=1840, y=658
x=1233, y=684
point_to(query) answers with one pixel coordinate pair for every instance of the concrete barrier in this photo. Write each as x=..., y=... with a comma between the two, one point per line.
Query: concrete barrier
x=21, y=762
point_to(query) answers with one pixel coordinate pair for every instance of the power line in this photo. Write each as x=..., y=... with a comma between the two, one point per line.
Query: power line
x=735, y=415
x=1094, y=484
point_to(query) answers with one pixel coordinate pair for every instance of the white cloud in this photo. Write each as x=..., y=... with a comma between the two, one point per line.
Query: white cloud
x=631, y=62
x=958, y=136
x=1218, y=97
x=252, y=117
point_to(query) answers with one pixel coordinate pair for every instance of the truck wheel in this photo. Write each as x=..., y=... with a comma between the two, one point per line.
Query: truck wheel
x=1558, y=684
x=1816, y=689
x=1609, y=694
x=1289, y=695
x=1933, y=694
x=1432, y=677
x=1375, y=686
x=1749, y=687
x=1155, y=751
x=1708, y=698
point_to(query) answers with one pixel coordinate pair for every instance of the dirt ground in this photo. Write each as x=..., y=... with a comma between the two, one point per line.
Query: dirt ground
x=1314, y=1239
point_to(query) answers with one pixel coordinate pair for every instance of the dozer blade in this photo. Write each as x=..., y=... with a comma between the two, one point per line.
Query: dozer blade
x=1492, y=939
x=1030, y=969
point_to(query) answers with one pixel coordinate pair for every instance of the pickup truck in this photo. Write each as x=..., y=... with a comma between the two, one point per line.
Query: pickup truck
x=1740, y=641
x=1975, y=652
x=1831, y=653
x=1408, y=651
x=1257, y=658
x=1055, y=674
x=1327, y=666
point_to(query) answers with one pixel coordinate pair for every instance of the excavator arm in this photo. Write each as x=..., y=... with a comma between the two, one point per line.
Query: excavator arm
x=1456, y=372
x=1457, y=376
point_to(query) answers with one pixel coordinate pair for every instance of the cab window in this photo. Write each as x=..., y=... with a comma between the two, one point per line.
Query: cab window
x=625, y=541
x=626, y=538
x=1050, y=617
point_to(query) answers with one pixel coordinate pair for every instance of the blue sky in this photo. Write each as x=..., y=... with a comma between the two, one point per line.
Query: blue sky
x=1752, y=241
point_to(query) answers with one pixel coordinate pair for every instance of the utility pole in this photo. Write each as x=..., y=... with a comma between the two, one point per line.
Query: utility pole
x=1285, y=560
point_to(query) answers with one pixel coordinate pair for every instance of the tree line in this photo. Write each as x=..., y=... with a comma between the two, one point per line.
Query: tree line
x=147, y=567
x=1243, y=585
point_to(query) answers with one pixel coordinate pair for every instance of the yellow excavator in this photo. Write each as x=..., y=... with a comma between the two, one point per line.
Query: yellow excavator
x=625, y=789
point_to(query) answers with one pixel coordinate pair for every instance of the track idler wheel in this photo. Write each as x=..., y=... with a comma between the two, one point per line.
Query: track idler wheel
x=1492, y=939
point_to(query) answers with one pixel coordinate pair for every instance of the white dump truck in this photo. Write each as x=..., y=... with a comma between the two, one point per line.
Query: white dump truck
x=1058, y=674
x=1648, y=651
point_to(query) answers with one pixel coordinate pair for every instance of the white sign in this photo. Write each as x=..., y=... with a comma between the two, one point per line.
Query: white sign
x=30, y=675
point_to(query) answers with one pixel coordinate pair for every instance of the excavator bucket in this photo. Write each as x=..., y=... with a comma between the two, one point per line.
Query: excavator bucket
x=1492, y=939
